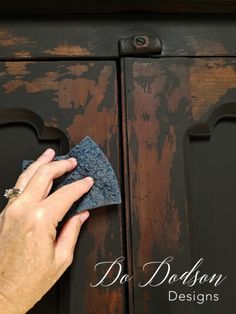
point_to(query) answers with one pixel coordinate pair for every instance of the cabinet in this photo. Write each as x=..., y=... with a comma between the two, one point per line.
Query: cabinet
x=181, y=156
x=166, y=120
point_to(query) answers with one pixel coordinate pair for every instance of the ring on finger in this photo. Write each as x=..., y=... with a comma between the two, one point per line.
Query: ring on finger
x=9, y=193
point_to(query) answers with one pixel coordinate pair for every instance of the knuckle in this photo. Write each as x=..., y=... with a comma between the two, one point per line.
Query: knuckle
x=38, y=215
x=35, y=220
x=44, y=170
x=21, y=213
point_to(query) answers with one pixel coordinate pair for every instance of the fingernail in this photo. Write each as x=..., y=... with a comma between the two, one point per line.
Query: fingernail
x=89, y=179
x=72, y=159
x=84, y=216
x=48, y=151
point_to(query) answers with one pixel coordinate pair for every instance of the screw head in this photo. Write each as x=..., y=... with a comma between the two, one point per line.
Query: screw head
x=141, y=41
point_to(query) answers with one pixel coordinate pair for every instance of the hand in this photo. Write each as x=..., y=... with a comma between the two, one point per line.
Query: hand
x=32, y=258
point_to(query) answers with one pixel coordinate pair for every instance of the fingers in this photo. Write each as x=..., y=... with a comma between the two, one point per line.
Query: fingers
x=39, y=185
x=27, y=174
x=62, y=199
x=67, y=238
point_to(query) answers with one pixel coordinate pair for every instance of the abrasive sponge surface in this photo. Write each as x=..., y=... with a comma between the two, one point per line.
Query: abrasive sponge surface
x=91, y=161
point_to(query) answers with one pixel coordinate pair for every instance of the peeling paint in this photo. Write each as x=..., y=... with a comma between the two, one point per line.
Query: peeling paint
x=17, y=69
x=205, y=46
x=9, y=39
x=52, y=123
x=77, y=69
x=151, y=191
x=209, y=80
x=83, y=89
x=88, y=94
x=23, y=54
x=47, y=82
x=180, y=72
x=66, y=49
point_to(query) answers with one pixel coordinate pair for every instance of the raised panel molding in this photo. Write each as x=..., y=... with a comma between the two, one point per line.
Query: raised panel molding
x=210, y=160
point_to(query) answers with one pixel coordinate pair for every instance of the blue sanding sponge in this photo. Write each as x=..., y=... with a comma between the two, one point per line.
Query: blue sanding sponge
x=91, y=161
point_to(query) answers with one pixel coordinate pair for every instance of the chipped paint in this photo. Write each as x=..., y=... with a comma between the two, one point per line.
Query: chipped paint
x=209, y=80
x=73, y=86
x=87, y=95
x=77, y=69
x=17, y=69
x=66, y=49
x=23, y=54
x=9, y=39
x=152, y=200
x=53, y=122
x=158, y=113
x=90, y=85
x=47, y=82
x=180, y=90
x=205, y=46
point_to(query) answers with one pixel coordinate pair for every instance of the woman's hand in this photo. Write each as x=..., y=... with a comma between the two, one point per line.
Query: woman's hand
x=31, y=257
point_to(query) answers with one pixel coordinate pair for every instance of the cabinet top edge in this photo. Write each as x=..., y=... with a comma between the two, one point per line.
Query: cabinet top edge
x=119, y=6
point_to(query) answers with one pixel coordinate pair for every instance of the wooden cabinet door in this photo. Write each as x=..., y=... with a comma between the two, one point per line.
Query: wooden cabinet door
x=181, y=162
x=178, y=130
x=56, y=104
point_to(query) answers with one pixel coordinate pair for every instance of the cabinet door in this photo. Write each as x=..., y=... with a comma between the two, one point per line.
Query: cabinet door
x=56, y=104
x=181, y=161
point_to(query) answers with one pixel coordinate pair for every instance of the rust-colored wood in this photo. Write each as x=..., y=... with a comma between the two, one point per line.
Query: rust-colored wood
x=79, y=98
x=164, y=97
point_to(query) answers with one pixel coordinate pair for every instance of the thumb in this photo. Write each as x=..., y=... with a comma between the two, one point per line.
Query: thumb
x=68, y=236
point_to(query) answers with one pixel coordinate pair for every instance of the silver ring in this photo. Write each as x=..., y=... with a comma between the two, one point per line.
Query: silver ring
x=12, y=192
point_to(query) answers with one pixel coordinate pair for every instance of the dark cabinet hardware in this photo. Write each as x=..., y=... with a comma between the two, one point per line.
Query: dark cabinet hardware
x=140, y=45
